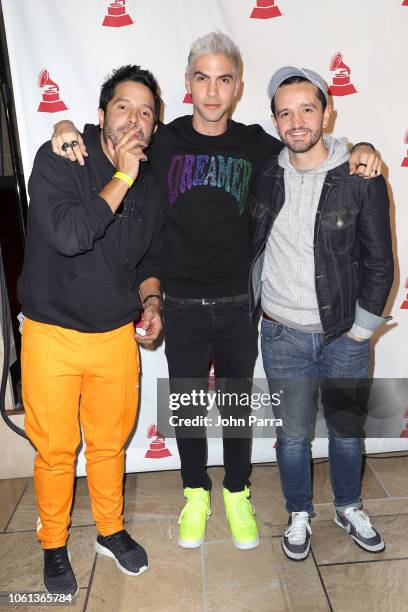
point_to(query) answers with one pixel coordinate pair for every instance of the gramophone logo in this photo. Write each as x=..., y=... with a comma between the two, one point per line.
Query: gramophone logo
x=117, y=16
x=157, y=448
x=342, y=85
x=187, y=98
x=405, y=3
x=265, y=9
x=404, y=305
x=51, y=102
x=211, y=377
x=405, y=160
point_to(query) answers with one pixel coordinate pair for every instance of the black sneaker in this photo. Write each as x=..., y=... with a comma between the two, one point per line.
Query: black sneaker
x=358, y=525
x=58, y=575
x=296, y=539
x=129, y=556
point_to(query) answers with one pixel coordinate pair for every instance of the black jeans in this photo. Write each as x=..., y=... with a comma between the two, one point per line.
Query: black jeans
x=195, y=334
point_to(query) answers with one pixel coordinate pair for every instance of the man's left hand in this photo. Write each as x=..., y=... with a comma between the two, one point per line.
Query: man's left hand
x=365, y=162
x=151, y=323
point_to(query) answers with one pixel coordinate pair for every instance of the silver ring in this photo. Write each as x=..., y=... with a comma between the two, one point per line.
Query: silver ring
x=65, y=146
x=74, y=143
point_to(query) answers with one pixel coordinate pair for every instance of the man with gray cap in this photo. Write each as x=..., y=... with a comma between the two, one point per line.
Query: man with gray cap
x=322, y=271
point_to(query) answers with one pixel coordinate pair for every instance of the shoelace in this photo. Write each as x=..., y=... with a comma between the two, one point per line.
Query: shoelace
x=58, y=563
x=360, y=522
x=241, y=507
x=194, y=507
x=121, y=542
x=296, y=531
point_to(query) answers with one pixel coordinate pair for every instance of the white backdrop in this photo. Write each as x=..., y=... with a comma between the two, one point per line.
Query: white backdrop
x=60, y=52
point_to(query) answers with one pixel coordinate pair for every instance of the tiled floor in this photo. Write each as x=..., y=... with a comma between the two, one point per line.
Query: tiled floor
x=337, y=576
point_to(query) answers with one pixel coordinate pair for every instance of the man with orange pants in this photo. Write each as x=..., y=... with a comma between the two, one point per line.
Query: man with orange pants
x=92, y=264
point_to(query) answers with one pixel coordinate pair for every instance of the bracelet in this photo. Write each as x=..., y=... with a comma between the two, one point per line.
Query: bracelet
x=152, y=295
x=367, y=144
x=124, y=177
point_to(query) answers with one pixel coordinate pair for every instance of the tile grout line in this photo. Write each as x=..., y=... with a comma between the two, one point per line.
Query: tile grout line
x=379, y=479
x=363, y=561
x=91, y=577
x=203, y=583
x=321, y=581
x=16, y=506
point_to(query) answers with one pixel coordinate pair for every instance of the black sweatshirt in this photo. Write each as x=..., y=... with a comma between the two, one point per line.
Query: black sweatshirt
x=207, y=179
x=83, y=264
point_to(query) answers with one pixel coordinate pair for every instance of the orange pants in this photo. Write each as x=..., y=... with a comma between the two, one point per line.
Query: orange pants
x=72, y=379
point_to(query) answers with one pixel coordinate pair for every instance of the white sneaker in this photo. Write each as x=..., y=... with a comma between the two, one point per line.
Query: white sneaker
x=358, y=525
x=296, y=539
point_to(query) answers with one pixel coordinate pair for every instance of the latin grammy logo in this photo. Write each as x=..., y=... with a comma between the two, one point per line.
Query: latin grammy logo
x=405, y=160
x=51, y=102
x=117, y=16
x=404, y=432
x=265, y=9
x=187, y=98
x=157, y=448
x=404, y=305
x=341, y=80
x=405, y=3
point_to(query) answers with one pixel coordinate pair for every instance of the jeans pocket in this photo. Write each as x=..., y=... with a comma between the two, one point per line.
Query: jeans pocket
x=171, y=306
x=357, y=342
x=271, y=330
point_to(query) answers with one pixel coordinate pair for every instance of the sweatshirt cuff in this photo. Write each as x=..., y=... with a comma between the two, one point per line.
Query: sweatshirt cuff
x=365, y=322
x=101, y=209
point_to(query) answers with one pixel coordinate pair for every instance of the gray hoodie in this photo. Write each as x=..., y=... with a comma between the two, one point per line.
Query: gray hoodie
x=288, y=275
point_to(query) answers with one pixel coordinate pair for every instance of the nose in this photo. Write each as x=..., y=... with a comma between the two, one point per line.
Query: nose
x=297, y=120
x=134, y=118
x=212, y=88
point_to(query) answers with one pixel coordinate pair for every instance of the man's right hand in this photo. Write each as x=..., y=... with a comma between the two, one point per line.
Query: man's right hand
x=128, y=153
x=66, y=132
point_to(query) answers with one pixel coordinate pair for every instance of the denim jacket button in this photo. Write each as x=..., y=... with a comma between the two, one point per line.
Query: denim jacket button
x=339, y=222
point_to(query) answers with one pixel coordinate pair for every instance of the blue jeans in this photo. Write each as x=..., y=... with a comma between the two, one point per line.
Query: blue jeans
x=310, y=364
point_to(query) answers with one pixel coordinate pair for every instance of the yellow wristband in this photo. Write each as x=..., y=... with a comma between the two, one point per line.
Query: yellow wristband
x=124, y=177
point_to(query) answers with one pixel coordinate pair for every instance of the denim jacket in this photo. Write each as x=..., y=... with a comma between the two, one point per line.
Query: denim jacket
x=354, y=266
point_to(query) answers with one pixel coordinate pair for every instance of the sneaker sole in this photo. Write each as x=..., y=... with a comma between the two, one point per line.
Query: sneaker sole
x=102, y=550
x=246, y=545
x=66, y=594
x=195, y=544
x=373, y=549
x=296, y=556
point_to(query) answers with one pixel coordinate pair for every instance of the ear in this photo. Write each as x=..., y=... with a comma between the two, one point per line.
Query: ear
x=275, y=123
x=187, y=82
x=326, y=115
x=238, y=84
x=101, y=117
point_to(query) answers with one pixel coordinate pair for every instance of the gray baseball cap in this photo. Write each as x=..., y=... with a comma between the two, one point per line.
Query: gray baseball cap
x=291, y=71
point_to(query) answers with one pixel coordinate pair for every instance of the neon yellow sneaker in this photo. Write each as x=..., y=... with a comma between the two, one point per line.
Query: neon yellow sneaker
x=193, y=517
x=241, y=519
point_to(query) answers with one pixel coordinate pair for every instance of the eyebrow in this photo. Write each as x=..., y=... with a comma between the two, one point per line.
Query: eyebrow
x=282, y=110
x=123, y=99
x=221, y=76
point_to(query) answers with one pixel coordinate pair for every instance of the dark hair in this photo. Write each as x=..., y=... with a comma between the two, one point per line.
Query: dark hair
x=299, y=79
x=135, y=74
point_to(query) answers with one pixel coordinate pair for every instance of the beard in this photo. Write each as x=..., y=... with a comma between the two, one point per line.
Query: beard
x=304, y=146
x=116, y=134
